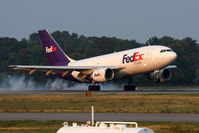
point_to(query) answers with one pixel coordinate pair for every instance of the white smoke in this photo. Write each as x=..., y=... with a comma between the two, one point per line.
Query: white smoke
x=16, y=82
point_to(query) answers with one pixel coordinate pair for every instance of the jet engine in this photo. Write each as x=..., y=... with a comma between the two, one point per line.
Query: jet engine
x=160, y=75
x=102, y=75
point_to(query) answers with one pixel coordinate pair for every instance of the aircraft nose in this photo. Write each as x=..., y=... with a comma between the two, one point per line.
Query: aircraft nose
x=173, y=56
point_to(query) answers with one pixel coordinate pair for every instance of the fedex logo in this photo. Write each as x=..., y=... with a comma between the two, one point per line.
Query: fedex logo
x=97, y=74
x=51, y=49
x=135, y=57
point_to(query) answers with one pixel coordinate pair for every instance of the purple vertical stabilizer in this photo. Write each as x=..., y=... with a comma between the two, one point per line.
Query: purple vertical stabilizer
x=54, y=53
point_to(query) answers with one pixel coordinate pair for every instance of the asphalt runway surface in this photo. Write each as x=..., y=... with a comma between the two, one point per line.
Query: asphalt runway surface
x=101, y=117
x=143, y=91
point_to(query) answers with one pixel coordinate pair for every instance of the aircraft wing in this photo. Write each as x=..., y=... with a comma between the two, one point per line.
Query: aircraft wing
x=87, y=70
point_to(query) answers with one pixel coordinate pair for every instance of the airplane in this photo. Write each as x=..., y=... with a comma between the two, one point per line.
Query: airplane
x=151, y=61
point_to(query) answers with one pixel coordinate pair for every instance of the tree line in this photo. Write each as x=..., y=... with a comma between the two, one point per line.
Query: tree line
x=30, y=52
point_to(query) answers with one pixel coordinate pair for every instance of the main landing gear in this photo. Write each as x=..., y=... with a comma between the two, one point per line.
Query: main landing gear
x=94, y=87
x=129, y=86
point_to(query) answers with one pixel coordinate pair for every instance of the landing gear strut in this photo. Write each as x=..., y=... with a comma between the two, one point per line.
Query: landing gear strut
x=94, y=87
x=129, y=86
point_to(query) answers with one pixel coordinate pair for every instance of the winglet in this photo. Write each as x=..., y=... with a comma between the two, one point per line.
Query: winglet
x=54, y=53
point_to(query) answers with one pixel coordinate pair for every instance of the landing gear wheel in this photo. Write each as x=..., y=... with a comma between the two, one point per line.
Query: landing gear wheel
x=129, y=88
x=94, y=88
x=90, y=88
x=97, y=88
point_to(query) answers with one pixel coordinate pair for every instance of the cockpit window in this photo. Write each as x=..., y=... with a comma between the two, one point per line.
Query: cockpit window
x=162, y=51
x=169, y=50
x=165, y=50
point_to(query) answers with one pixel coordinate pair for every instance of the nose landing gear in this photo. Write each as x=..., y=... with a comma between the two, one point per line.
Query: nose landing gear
x=129, y=86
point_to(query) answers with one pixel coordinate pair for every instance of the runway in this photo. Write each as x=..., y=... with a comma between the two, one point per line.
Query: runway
x=101, y=117
x=143, y=91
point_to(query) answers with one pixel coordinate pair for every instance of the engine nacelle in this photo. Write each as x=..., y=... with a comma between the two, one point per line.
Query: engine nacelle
x=102, y=75
x=160, y=75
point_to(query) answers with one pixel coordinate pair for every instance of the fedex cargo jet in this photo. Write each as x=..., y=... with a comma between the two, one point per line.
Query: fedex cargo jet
x=151, y=61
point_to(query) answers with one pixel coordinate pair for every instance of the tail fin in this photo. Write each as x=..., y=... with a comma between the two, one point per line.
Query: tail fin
x=54, y=53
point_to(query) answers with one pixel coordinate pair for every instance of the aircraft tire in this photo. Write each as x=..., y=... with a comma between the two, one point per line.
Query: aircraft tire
x=90, y=88
x=94, y=88
x=97, y=88
x=129, y=88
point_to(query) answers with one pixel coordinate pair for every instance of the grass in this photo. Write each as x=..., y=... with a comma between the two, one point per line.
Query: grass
x=172, y=127
x=29, y=126
x=142, y=103
x=53, y=126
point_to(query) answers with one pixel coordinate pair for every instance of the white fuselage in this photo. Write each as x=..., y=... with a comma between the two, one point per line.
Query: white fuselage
x=135, y=61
